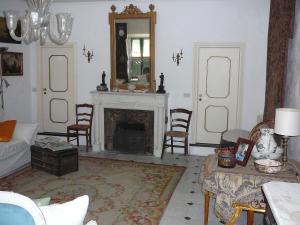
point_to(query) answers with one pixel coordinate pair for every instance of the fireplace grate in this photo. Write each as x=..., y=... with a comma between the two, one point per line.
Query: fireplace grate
x=130, y=138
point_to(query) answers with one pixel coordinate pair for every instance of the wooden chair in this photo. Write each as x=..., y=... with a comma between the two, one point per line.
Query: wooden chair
x=179, y=129
x=83, y=126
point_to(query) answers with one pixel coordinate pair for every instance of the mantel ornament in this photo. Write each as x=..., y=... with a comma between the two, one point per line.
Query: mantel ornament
x=103, y=85
x=161, y=87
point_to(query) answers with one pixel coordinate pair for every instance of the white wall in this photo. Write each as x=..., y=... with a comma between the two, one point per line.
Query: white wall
x=293, y=81
x=18, y=97
x=179, y=25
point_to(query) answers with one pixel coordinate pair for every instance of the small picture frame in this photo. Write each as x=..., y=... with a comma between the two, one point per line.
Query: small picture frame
x=243, y=150
x=12, y=64
x=4, y=32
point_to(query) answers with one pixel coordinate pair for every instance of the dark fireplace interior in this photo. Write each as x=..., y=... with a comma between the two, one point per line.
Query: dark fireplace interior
x=129, y=131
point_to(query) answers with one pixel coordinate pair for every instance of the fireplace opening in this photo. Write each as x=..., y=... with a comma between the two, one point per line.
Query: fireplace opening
x=129, y=138
x=129, y=131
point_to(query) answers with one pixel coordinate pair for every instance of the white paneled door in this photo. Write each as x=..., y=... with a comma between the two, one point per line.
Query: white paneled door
x=217, y=91
x=57, y=67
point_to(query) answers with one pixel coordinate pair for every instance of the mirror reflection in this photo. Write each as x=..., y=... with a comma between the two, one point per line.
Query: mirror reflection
x=132, y=40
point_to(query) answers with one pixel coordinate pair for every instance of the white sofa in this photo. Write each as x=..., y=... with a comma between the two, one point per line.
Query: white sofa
x=15, y=154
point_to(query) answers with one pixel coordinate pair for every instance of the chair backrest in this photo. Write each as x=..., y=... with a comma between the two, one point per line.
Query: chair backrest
x=84, y=114
x=180, y=119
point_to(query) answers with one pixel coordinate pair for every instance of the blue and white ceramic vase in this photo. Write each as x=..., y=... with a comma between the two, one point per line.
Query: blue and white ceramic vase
x=266, y=146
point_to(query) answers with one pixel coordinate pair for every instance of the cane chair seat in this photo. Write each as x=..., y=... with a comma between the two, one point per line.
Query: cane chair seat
x=177, y=134
x=79, y=127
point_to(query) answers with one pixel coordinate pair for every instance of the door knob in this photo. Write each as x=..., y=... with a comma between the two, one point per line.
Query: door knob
x=44, y=90
x=200, y=97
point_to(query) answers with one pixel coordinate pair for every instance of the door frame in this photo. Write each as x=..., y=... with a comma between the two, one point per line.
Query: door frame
x=39, y=78
x=196, y=46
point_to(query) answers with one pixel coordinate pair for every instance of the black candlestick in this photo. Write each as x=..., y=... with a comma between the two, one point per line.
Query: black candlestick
x=161, y=87
x=103, y=78
x=102, y=86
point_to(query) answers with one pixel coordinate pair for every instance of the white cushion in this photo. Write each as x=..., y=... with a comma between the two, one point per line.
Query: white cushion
x=42, y=201
x=69, y=213
x=26, y=132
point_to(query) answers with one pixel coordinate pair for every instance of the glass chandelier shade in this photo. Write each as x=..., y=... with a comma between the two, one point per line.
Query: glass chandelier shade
x=35, y=25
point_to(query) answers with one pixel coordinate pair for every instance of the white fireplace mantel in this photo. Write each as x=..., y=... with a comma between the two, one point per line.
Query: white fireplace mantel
x=158, y=103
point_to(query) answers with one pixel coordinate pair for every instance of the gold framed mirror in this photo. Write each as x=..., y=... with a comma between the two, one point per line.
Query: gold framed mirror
x=132, y=49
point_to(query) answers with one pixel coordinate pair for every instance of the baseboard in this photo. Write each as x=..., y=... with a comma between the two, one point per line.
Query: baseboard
x=201, y=150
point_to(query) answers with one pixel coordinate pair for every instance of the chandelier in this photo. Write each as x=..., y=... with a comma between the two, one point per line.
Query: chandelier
x=35, y=25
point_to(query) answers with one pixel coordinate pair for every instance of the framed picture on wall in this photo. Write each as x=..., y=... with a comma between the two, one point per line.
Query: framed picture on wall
x=4, y=33
x=12, y=64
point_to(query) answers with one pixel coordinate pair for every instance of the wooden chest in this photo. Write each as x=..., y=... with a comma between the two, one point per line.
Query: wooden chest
x=55, y=162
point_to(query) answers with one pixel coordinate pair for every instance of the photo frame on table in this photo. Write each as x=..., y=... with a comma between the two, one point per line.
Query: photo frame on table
x=12, y=64
x=4, y=32
x=243, y=150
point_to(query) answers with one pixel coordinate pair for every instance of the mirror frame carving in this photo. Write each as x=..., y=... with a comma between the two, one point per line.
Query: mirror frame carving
x=132, y=12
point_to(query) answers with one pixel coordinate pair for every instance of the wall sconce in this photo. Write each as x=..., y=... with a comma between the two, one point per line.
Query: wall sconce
x=178, y=57
x=88, y=54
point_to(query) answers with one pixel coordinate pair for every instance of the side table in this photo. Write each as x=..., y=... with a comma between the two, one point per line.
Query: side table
x=55, y=162
x=238, y=188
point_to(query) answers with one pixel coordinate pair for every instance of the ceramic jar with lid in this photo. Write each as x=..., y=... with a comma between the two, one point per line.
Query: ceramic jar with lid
x=266, y=146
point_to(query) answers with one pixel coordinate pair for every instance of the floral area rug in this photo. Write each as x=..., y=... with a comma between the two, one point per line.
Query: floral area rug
x=120, y=192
